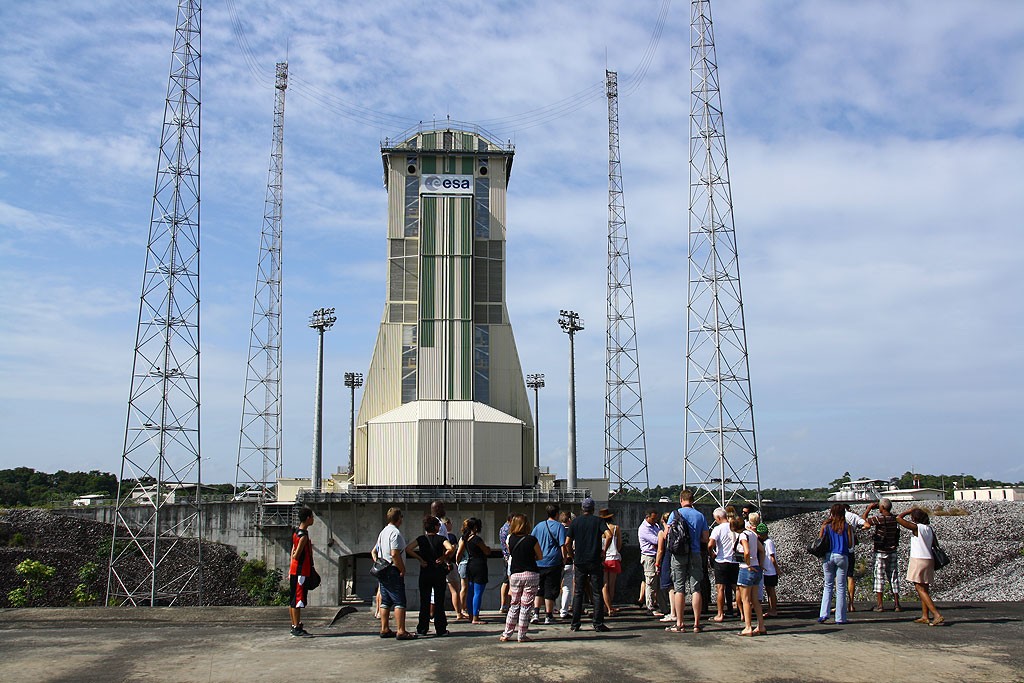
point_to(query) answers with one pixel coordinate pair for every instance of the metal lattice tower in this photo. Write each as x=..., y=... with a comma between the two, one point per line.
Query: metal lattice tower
x=155, y=551
x=261, y=440
x=625, y=445
x=720, y=454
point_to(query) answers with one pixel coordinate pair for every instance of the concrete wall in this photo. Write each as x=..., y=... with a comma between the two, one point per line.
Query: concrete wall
x=344, y=533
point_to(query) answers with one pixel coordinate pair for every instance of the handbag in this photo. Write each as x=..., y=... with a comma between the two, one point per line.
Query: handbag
x=379, y=566
x=312, y=581
x=938, y=554
x=820, y=546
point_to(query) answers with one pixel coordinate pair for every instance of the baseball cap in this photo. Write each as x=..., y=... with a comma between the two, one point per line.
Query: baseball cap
x=588, y=504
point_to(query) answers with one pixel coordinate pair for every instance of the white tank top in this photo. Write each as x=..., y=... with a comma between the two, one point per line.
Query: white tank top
x=613, y=548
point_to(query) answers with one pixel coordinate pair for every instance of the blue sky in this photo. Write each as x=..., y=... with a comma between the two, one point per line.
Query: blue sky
x=877, y=159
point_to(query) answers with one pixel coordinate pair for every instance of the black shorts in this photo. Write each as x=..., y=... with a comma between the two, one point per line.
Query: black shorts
x=771, y=581
x=727, y=573
x=550, y=582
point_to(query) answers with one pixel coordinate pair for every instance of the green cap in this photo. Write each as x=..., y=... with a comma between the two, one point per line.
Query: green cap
x=762, y=528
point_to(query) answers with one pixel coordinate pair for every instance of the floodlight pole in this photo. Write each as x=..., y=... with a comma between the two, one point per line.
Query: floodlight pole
x=536, y=382
x=353, y=380
x=570, y=323
x=322, y=319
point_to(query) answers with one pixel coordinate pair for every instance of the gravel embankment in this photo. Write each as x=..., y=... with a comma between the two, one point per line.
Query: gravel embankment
x=986, y=546
x=68, y=543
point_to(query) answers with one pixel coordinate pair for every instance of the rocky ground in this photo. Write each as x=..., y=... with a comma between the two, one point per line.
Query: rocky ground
x=69, y=543
x=984, y=539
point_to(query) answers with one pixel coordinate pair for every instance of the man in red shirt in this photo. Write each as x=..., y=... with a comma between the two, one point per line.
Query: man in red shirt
x=301, y=567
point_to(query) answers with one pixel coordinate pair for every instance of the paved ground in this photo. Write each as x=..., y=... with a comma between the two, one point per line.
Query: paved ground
x=982, y=642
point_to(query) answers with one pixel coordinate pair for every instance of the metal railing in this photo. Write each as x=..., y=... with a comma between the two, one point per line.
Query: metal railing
x=399, y=495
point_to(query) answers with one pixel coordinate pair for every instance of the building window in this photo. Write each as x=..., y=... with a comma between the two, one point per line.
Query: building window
x=481, y=364
x=412, y=206
x=408, y=363
x=482, y=208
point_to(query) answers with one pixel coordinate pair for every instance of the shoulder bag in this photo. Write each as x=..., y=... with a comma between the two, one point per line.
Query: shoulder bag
x=379, y=565
x=938, y=554
x=820, y=547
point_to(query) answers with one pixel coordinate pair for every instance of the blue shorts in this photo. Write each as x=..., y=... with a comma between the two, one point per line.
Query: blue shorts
x=749, y=577
x=392, y=589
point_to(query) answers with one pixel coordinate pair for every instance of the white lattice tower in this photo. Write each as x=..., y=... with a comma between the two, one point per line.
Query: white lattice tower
x=720, y=454
x=260, y=440
x=155, y=551
x=625, y=445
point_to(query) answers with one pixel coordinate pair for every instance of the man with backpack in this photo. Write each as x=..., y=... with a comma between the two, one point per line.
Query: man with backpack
x=887, y=539
x=687, y=534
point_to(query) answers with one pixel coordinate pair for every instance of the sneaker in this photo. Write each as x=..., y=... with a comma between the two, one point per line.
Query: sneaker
x=601, y=628
x=549, y=620
x=534, y=619
x=503, y=610
x=299, y=632
x=562, y=614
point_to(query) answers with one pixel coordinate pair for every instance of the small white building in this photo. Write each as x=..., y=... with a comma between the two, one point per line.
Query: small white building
x=990, y=493
x=89, y=499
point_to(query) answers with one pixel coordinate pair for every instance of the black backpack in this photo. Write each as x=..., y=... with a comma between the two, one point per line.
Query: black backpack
x=678, y=540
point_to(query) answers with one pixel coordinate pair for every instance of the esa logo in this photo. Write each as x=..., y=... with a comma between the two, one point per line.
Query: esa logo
x=439, y=184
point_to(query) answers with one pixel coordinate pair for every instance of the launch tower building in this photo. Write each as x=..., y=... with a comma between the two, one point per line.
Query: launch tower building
x=445, y=404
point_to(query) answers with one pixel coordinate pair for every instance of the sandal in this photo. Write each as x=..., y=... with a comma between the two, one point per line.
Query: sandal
x=922, y=620
x=503, y=638
x=676, y=629
x=761, y=631
x=387, y=634
x=526, y=639
x=747, y=633
x=478, y=621
x=938, y=622
x=406, y=636
x=698, y=629
x=718, y=620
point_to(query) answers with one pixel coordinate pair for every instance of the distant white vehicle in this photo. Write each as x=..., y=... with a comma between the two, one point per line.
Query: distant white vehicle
x=88, y=499
x=253, y=494
x=664, y=499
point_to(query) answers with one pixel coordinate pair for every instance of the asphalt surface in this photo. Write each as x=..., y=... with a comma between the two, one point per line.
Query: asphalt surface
x=980, y=642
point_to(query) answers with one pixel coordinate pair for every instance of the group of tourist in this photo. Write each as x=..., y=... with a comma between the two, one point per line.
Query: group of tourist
x=839, y=531
x=554, y=567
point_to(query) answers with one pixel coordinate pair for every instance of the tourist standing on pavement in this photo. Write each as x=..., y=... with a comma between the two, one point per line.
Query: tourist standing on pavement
x=856, y=522
x=647, y=534
x=568, y=572
x=462, y=566
x=454, y=578
x=835, y=564
x=921, y=570
x=770, y=573
x=390, y=547
x=687, y=563
x=583, y=546
x=503, y=542
x=722, y=542
x=299, y=570
x=886, y=539
x=612, y=544
x=751, y=555
x=524, y=579
x=476, y=569
x=550, y=534
x=432, y=551
x=664, y=562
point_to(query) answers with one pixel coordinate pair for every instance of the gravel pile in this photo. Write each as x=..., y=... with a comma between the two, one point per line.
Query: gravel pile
x=986, y=546
x=68, y=543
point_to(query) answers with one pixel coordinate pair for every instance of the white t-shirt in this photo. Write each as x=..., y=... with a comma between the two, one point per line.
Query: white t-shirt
x=752, y=545
x=921, y=542
x=769, y=550
x=443, y=530
x=854, y=520
x=725, y=539
x=390, y=538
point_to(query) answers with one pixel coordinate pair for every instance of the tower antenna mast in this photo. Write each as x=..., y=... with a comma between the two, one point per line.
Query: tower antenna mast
x=260, y=443
x=720, y=453
x=160, y=466
x=625, y=444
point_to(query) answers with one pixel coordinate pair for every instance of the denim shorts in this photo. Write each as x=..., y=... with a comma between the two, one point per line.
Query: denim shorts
x=749, y=577
x=392, y=589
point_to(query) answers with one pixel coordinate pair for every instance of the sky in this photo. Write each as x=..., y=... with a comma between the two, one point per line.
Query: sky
x=876, y=153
